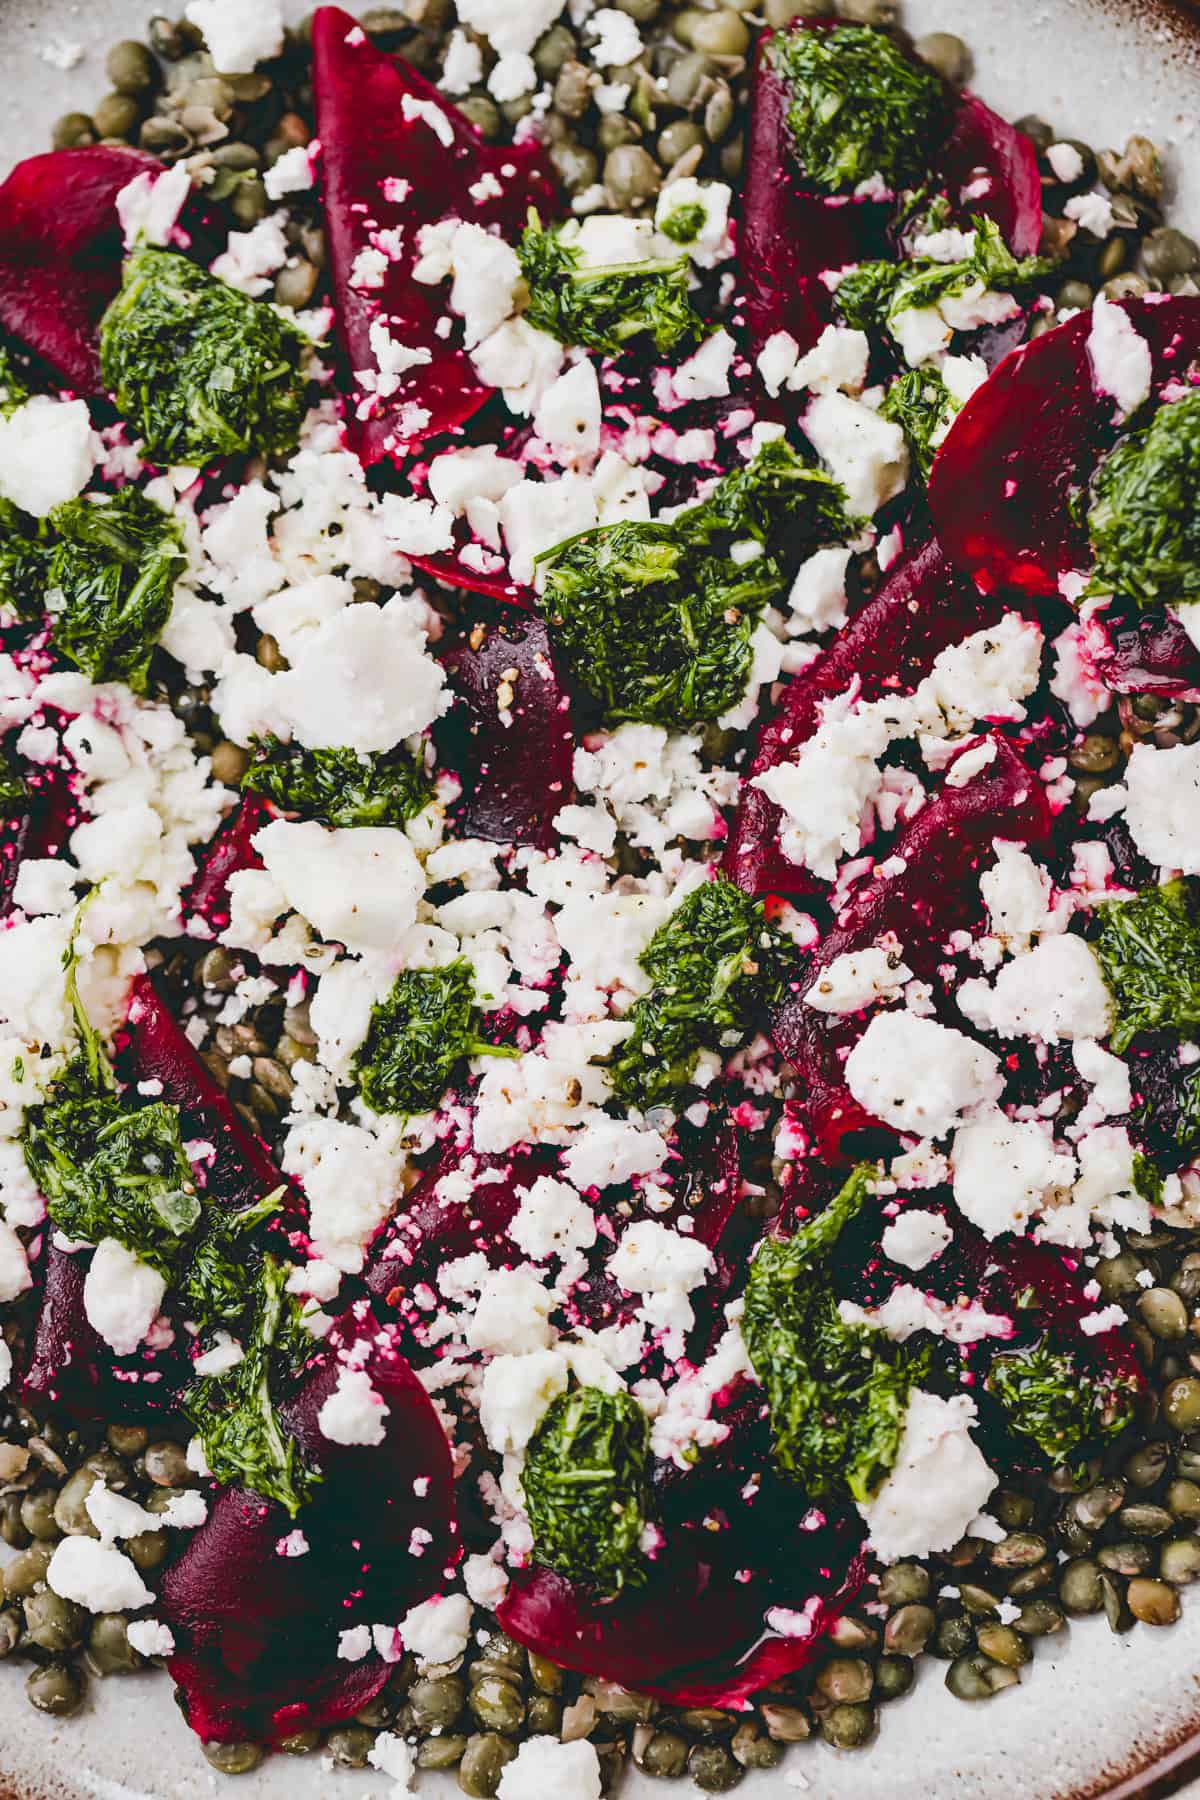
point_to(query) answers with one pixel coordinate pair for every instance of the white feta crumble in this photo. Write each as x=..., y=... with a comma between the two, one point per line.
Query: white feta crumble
x=817, y=600
x=354, y=1413
x=916, y=1238
x=552, y=1219
x=608, y=1152
x=867, y=454
x=1066, y=162
x=122, y=1296
x=543, y=1766
x=238, y=36
x=462, y=67
x=663, y=1267
x=1162, y=807
x=291, y=173
x=709, y=243
x=359, y=886
x=351, y=1180
x=617, y=39
x=1017, y=893
x=515, y=1392
x=1094, y=212
x=513, y=75
x=393, y=1757
x=857, y=979
x=47, y=453
x=1053, y=991
x=149, y=205
x=512, y=1315
x=1112, y=1093
x=438, y=1630
x=568, y=415
x=1120, y=356
x=508, y=27
x=150, y=1637
x=705, y=374
x=1006, y=1170
x=939, y=1483
x=919, y=1076
x=97, y=1576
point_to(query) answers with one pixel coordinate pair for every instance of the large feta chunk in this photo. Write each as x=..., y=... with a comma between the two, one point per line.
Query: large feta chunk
x=1053, y=991
x=919, y=1076
x=939, y=1482
x=358, y=887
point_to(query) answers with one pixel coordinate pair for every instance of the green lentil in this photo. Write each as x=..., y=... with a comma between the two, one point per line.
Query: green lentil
x=849, y=1727
x=233, y=1759
x=713, y=1769
x=56, y=1688
x=1153, y=1602
x=976, y=1677
x=483, y=1762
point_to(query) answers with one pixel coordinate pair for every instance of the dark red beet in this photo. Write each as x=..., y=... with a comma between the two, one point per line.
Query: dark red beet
x=230, y=851
x=1004, y=481
x=71, y=1368
x=1145, y=653
x=934, y=894
x=40, y=831
x=241, y=1170
x=888, y=646
x=790, y=235
x=515, y=755
x=982, y=144
x=694, y=1634
x=366, y=140
x=451, y=571
x=431, y=1231
x=61, y=251
x=256, y=1635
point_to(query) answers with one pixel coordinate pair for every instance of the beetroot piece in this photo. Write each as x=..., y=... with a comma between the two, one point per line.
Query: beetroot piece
x=257, y=1638
x=71, y=1368
x=40, y=831
x=61, y=251
x=1147, y=653
x=511, y=734
x=981, y=146
x=694, y=1634
x=934, y=894
x=241, y=1170
x=230, y=851
x=451, y=571
x=791, y=235
x=888, y=647
x=431, y=1231
x=368, y=139
x=1025, y=444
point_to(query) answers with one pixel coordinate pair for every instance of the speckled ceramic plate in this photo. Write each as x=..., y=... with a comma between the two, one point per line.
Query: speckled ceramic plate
x=1098, y=1715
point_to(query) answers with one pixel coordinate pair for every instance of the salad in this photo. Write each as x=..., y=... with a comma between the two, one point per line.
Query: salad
x=600, y=953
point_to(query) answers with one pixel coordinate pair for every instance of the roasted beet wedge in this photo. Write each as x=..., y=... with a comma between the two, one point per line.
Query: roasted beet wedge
x=791, y=234
x=498, y=584
x=71, y=1368
x=60, y=253
x=933, y=893
x=696, y=1634
x=231, y=851
x=397, y=155
x=256, y=1639
x=240, y=1170
x=510, y=736
x=1026, y=443
x=41, y=830
x=887, y=647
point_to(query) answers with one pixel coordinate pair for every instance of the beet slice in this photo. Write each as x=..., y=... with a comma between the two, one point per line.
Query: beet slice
x=1144, y=653
x=888, y=646
x=61, y=248
x=451, y=571
x=257, y=1636
x=694, y=1634
x=792, y=234
x=983, y=145
x=789, y=233
x=1004, y=482
x=368, y=140
x=241, y=1170
x=40, y=831
x=231, y=851
x=510, y=738
x=933, y=894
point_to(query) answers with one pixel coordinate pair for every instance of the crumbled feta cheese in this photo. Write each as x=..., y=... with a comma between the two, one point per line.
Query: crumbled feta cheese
x=1053, y=991
x=985, y=677
x=1006, y=1170
x=1112, y=1093
x=705, y=374
x=290, y=173
x=710, y=243
x=438, y=1630
x=552, y=1220
x=857, y=979
x=827, y=791
x=916, y=1238
x=617, y=39
x=543, y=1766
x=392, y=1757
x=487, y=274
x=817, y=601
x=512, y=1315
x=508, y=27
x=96, y=1576
x=351, y=1179
x=47, y=453
x=485, y=1581
x=354, y=1413
x=149, y=205
x=919, y=1076
x=939, y=1482
x=462, y=66
x=907, y=1310
x=1094, y=212
x=238, y=36
x=1017, y=894
x=838, y=359
x=608, y=1152
x=867, y=454
x=515, y=1392
x=663, y=1266
x=512, y=76
x=15, y=1277
x=568, y=414
x=122, y=1296
x=251, y=258
x=150, y=1637
x=359, y=887
x=1163, y=806
x=1119, y=356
